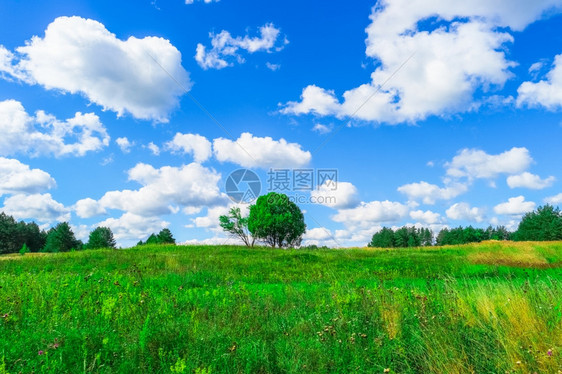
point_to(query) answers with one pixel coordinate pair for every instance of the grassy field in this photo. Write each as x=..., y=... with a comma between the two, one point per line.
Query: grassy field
x=486, y=308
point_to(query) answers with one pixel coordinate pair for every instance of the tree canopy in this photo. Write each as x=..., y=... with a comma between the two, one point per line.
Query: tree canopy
x=61, y=239
x=277, y=221
x=545, y=223
x=237, y=226
x=101, y=237
x=164, y=237
x=13, y=235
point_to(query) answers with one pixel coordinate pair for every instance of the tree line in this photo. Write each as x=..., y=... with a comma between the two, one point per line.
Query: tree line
x=25, y=237
x=545, y=223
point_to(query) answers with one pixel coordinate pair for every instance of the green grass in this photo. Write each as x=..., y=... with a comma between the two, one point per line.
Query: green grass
x=486, y=308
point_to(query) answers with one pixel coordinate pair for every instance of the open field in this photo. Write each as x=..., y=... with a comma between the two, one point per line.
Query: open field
x=485, y=308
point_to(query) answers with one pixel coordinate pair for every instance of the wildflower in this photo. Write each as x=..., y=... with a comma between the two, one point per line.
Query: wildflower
x=549, y=352
x=40, y=353
x=387, y=370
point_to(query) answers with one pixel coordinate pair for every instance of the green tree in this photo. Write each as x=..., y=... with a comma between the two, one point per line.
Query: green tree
x=101, y=237
x=32, y=235
x=543, y=224
x=24, y=249
x=383, y=239
x=426, y=237
x=61, y=239
x=152, y=239
x=165, y=237
x=277, y=221
x=237, y=226
x=9, y=242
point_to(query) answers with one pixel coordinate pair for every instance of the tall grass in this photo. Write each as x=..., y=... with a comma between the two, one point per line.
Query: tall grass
x=488, y=308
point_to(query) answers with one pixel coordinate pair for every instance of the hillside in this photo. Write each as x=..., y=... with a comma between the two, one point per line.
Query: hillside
x=488, y=307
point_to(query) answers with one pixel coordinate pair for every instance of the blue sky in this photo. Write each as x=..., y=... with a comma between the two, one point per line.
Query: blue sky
x=132, y=116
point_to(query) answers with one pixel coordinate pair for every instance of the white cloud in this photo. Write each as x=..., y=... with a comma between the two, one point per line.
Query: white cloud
x=211, y=219
x=153, y=148
x=43, y=134
x=314, y=100
x=344, y=196
x=355, y=237
x=226, y=48
x=546, y=93
x=272, y=67
x=428, y=217
x=163, y=191
x=81, y=232
x=130, y=228
x=8, y=69
x=463, y=211
x=79, y=55
x=322, y=129
x=445, y=66
x=318, y=233
x=474, y=163
x=430, y=193
x=16, y=178
x=528, y=180
x=124, y=144
x=515, y=206
x=87, y=208
x=369, y=214
x=537, y=66
x=319, y=236
x=40, y=207
x=554, y=200
x=252, y=151
x=194, y=144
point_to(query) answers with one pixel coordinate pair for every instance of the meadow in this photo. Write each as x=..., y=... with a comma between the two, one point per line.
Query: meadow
x=493, y=307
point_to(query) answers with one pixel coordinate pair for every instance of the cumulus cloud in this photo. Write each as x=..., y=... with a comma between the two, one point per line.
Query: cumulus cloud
x=430, y=193
x=87, y=208
x=78, y=55
x=163, y=191
x=528, y=180
x=372, y=213
x=546, y=93
x=438, y=70
x=319, y=236
x=18, y=178
x=43, y=134
x=463, y=211
x=475, y=163
x=130, y=228
x=515, y=206
x=124, y=144
x=252, y=151
x=40, y=207
x=196, y=145
x=211, y=219
x=343, y=196
x=554, y=200
x=428, y=217
x=225, y=49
